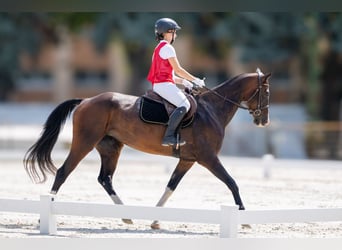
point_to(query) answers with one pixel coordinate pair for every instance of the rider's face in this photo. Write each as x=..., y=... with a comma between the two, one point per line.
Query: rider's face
x=170, y=35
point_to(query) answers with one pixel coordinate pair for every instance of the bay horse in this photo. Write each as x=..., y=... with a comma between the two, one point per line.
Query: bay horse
x=111, y=120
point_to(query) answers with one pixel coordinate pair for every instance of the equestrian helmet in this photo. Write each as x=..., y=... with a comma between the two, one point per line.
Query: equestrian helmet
x=164, y=25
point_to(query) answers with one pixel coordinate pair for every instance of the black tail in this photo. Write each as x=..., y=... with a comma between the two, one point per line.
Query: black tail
x=40, y=152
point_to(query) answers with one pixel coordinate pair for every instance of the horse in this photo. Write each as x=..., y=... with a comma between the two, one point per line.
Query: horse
x=110, y=120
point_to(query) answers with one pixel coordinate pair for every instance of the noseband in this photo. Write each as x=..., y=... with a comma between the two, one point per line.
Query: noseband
x=255, y=112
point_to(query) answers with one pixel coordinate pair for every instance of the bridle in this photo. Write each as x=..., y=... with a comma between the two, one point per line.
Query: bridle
x=255, y=112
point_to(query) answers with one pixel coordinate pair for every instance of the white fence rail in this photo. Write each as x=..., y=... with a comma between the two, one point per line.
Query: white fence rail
x=229, y=217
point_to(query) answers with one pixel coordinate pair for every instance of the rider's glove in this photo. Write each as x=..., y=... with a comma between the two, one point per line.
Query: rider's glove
x=187, y=84
x=199, y=82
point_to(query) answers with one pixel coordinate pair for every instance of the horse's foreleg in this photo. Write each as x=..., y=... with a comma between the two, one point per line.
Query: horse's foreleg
x=168, y=192
x=181, y=169
x=219, y=171
x=110, y=149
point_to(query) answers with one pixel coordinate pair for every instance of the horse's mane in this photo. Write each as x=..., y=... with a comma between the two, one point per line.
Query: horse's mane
x=231, y=81
x=228, y=82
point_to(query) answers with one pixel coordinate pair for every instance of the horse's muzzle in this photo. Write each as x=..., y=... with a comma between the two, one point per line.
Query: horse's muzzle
x=261, y=121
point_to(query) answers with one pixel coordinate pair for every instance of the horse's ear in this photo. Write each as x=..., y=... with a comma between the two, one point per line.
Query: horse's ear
x=259, y=71
x=267, y=75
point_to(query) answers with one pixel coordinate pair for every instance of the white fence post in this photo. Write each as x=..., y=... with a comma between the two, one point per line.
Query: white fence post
x=267, y=161
x=47, y=218
x=229, y=221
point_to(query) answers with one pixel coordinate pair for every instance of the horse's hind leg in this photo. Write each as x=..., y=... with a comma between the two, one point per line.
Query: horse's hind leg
x=86, y=134
x=109, y=149
x=76, y=154
x=177, y=175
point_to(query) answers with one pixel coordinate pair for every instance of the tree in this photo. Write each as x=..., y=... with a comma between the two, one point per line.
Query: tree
x=20, y=32
x=331, y=75
x=263, y=37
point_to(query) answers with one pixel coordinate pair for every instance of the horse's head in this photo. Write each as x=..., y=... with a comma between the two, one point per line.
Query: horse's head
x=257, y=97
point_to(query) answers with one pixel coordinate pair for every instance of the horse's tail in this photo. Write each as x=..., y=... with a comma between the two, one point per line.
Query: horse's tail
x=40, y=152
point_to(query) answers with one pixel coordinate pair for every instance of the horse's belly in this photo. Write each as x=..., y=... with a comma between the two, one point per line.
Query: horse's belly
x=147, y=140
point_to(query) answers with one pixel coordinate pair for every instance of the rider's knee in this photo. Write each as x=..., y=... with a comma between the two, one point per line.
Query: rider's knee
x=187, y=105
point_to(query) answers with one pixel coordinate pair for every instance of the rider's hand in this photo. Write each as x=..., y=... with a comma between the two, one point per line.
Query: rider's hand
x=187, y=84
x=199, y=82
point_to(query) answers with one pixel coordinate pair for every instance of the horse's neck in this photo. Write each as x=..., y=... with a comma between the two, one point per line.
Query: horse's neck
x=221, y=96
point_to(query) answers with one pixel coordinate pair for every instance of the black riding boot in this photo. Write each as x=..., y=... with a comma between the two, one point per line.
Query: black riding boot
x=170, y=137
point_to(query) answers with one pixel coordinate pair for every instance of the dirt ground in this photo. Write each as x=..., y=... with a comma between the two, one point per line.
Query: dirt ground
x=141, y=179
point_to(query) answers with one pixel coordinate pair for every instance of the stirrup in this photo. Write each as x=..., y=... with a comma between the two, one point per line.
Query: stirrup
x=170, y=144
x=179, y=142
x=174, y=141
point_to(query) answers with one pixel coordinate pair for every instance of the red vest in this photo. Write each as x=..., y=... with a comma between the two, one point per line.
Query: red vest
x=161, y=69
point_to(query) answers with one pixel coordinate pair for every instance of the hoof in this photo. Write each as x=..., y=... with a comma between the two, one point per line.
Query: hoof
x=127, y=221
x=246, y=226
x=155, y=225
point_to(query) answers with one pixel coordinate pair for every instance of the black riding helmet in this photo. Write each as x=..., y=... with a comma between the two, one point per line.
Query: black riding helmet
x=164, y=25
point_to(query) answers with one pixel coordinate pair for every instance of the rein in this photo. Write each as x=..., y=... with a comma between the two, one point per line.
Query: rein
x=255, y=112
x=230, y=100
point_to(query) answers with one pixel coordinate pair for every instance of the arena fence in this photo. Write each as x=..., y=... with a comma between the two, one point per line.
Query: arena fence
x=228, y=217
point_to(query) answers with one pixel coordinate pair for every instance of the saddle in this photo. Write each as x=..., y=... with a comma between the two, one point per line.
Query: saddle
x=155, y=109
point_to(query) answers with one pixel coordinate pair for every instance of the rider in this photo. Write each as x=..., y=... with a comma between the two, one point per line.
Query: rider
x=162, y=76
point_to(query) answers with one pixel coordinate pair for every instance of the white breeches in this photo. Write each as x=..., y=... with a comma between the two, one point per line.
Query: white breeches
x=172, y=93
